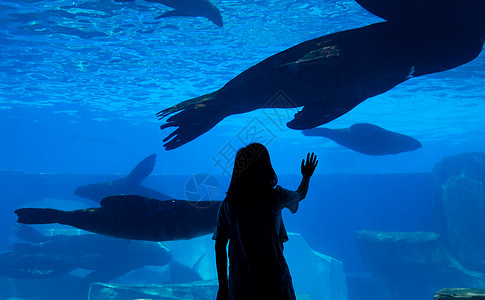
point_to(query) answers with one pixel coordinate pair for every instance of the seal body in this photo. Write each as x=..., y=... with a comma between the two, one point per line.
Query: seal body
x=328, y=76
x=367, y=139
x=189, y=8
x=426, y=11
x=129, y=185
x=59, y=254
x=134, y=217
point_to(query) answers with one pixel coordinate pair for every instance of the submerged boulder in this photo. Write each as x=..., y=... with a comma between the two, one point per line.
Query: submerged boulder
x=459, y=199
x=411, y=265
x=460, y=294
x=202, y=290
x=315, y=276
x=313, y=273
x=417, y=257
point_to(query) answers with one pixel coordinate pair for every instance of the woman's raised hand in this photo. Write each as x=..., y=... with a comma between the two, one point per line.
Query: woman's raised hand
x=308, y=167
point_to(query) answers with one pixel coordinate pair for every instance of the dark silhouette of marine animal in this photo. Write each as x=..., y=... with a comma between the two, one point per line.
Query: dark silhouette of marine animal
x=130, y=185
x=329, y=75
x=32, y=264
x=426, y=11
x=368, y=139
x=189, y=8
x=134, y=217
x=107, y=257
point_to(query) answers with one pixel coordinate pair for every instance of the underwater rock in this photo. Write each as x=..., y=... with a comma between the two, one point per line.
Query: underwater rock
x=201, y=290
x=413, y=256
x=465, y=164
x=459, y=199
x=54, y=288
x=314, y=274
x=190, y=252
x=173, y=272
x=410, y=265
x=460, y=294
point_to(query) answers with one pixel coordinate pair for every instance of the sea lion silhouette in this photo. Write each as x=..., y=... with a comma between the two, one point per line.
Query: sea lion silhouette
x=58, y=254
x=328, y=76
x=33, y=264
x=367, y=139
x=131, y=184
x=134, y=217
x=189, y=8
x=426, y=11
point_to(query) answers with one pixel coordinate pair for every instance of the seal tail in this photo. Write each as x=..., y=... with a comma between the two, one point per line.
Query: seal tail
x=38, y=215
x=142, y=170
x=193, y=118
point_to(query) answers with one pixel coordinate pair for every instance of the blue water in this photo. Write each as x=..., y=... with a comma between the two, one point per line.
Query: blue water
x=81, y=82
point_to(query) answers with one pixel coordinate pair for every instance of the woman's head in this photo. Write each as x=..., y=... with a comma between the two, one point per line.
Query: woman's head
x=252, y=170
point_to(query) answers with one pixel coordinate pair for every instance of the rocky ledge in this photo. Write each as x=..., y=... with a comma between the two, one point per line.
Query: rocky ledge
x=460, y=293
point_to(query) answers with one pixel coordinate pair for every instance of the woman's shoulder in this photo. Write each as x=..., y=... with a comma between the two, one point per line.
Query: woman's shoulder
x=287, y=198
x=225, y=209
x=281, y=190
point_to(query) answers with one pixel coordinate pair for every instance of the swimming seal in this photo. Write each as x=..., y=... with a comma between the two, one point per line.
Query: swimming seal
x=367, y=139
x=426, y=11
x=189, y=8
x=105, y=256
x=134, y=217
x=328, y=76
x=59, y=254
x=129, y=185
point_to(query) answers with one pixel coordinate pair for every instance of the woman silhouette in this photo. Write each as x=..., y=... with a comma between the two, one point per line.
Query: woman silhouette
x=250, y=219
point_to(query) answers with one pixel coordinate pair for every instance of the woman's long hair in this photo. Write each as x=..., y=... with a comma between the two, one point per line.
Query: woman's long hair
x=253, y=177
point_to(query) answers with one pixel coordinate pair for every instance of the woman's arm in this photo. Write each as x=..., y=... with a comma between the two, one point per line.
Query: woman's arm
x=307, y=169
x=221, y=264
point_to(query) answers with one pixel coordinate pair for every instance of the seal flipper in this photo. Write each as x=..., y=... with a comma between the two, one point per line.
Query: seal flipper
x=208, y=10
x=174, y=13
x=195, y=117
x=142, y=170
x=39, y=215
x=313, y=115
